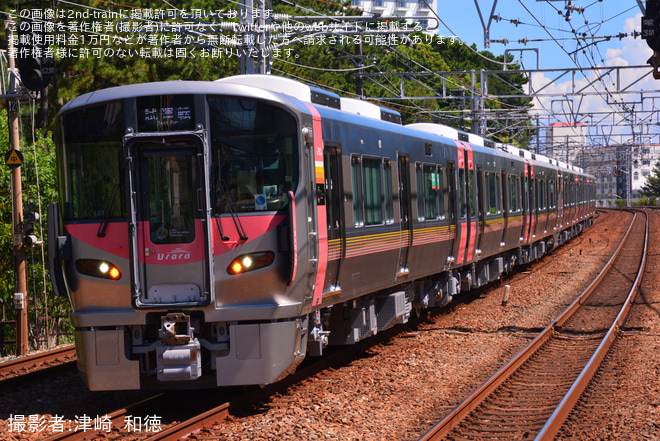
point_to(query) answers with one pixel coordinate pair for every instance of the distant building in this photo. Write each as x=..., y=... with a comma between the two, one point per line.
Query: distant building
x=620, y=169
x=564, y=141
x=401, y=8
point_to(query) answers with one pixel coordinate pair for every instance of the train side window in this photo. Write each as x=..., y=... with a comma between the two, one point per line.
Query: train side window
x=387, y=183
x=356, y=172
x=372, y=175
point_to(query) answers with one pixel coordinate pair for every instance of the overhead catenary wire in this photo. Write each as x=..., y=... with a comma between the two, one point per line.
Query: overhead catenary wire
x=574, y=59
x=452, y=80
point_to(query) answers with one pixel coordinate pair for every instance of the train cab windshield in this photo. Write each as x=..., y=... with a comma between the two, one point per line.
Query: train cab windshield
x=254, y=150
x=92, y=163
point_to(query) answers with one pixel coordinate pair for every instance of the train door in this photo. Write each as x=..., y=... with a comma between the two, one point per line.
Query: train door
x=334, y=205
x=560, y=201
x=480, y=211
x=504, y=187
x=453, y=209
x=467, y=230
x=526, y=206
x=169, y=237
x=405, y=208
x=533, y=204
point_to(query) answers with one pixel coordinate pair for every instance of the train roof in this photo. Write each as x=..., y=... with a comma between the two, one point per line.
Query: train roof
x=146, y=89
x=302, y=92
x=286, y=86
x=314, y=95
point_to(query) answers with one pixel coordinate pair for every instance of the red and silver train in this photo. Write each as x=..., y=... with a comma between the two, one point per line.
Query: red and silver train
x=216, y=233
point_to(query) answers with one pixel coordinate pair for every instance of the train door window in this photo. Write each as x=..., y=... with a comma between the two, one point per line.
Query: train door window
x=356, y=172
x=472, y=193
x=461, y=193
x=420, y=191
x=493, y=197
x=542, y=190
x=551, y=191
x=387, y=183
x=503, y=182
x=451, y=189
x=430, y=192
x=171, y=210
x=440, y=191
x=500, y=193
x=334, y=194
x=573, y=194
x=513, y=194
x=373, y=190
x=532, y=194
x=486, y=194
x=481, y=193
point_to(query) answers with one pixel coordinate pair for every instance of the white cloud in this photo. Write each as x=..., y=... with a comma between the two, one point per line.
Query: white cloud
x=592, y=95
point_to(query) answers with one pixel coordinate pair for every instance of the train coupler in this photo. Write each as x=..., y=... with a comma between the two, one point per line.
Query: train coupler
x=178, y=357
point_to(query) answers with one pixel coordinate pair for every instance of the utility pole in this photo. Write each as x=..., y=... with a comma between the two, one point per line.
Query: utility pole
x=14, y=159
x=255, y=17
x=359, y=79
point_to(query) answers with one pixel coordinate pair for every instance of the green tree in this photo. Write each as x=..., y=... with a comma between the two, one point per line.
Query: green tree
x=326, y=60
x=652, y=185
x=39, y=188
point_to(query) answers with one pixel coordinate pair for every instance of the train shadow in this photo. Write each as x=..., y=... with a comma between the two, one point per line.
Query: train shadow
x=65, y=396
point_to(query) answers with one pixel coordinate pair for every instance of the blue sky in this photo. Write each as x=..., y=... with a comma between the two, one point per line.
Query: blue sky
x=540, y=20
x=605, y=18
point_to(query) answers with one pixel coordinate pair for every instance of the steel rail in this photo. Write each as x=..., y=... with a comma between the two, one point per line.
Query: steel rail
x=35, y=359
x=449, y=422
x=114, y=419
x=556, y=420
x=184, y=428
x=34, y=367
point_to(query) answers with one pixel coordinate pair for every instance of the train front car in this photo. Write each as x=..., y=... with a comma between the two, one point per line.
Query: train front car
x=175, y=234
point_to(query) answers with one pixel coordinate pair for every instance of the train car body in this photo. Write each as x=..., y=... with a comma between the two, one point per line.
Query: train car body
x=213, y=234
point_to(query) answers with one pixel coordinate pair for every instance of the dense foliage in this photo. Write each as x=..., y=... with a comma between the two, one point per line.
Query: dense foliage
x=39, y=188
x=391, y=63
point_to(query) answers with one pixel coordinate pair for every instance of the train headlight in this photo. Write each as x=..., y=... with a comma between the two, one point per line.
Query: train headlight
x=98, y=268
x=250, y=262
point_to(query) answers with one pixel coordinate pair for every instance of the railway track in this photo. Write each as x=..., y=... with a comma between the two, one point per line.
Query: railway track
x=174, y=422
x=534, y=393
x=26, y=369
